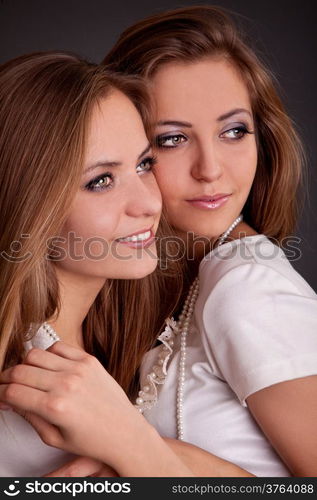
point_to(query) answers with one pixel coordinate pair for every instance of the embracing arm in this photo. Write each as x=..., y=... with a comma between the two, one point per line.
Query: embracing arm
x=287, y=414
x=59, y=391
x=203, y=463
x=74, y=404
x=199, y=461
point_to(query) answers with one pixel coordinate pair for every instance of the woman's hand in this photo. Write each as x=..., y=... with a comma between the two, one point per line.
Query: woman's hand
x=83, y=467
x=72, y=401
x=74, y=404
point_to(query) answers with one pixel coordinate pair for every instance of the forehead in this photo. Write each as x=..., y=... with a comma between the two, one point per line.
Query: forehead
x=115, y=128
x=211, y=84
x=116, y=111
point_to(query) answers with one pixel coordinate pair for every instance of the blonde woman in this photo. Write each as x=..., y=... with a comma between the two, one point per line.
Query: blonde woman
x=80, y=208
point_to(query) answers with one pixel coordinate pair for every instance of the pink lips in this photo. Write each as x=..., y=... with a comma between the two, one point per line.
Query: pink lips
x=210, y=202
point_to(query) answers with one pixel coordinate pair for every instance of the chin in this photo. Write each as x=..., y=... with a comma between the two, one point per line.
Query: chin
x=201, y=231
x=206, y=227
x=137, y=270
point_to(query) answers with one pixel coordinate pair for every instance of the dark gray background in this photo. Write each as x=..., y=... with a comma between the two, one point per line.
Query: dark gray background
x=282, y=31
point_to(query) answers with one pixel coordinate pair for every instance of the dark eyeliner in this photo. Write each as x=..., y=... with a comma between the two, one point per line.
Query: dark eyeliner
x=164, y=137
x=150, y=160
x=92, y=185
x=244, y=128
x=241, y=128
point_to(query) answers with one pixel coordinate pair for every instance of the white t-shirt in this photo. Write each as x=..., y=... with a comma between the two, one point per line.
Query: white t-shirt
x=254, y=325
x=22, y=452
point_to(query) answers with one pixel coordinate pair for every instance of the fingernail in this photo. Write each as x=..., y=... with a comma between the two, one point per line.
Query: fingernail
x=5, y=407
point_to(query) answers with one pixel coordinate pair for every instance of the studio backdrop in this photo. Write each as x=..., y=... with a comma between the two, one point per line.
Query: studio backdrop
x=283, y=32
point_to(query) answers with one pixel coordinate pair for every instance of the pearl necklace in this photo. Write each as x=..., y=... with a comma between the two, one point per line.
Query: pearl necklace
x=147, y=397
x=148, y=394
x=49, y=330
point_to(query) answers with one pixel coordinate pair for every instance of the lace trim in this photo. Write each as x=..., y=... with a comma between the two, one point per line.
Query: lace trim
x=148, y=394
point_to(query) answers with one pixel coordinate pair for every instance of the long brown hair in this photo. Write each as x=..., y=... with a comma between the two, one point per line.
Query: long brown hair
x=193, y=33
x=46, y=101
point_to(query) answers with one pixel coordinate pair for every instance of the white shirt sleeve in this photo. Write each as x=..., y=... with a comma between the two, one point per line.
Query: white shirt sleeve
x=260, y=328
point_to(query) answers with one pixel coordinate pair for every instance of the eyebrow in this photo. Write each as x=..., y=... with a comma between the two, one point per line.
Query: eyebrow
x=177, y=123
x=107, y=163
x=233, y=112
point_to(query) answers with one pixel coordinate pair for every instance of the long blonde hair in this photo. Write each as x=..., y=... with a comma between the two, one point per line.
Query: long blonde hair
x=191, y=34
x=46, y=101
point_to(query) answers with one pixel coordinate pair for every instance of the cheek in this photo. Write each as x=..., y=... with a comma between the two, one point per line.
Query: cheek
x=243, y=167
x=89, y=219
x=87, y=236
x=155, y=193
x=251, y=164
x=170, y=176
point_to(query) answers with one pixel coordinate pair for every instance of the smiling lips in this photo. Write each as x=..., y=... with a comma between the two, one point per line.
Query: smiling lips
x=139, y=239
x=210, y=202
x=145, y=238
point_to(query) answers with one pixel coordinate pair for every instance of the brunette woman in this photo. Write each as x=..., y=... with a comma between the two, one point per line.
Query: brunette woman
x=79, y=211
x=241, y=382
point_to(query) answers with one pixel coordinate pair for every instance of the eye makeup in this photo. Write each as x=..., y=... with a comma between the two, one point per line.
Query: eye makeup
x=100, y=183
x=105, y=181
x=232, y=132
x=170, y=140
x=235, y=132
x=146, y=164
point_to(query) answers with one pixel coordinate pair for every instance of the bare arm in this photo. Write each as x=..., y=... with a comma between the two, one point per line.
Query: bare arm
x=199, y=461
x=203, y=463
x=287, y=414
x=59, y=391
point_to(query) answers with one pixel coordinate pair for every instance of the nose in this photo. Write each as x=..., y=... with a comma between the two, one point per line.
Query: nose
x=143, y=197
x=206, y=166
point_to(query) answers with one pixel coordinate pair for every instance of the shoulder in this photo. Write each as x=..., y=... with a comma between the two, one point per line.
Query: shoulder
x=257, y=316
x=250, y=268
x=251, y=297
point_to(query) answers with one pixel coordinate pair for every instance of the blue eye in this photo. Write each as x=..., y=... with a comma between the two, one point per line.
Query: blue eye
x=235, y=133
x=146, y=165
x=100, y=183
x=170, y=141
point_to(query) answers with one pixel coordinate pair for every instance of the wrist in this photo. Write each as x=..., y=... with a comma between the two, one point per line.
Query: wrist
x=145, y=454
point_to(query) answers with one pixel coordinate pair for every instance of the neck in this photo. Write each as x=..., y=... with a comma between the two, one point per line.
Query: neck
x=77, y=294
x=197, y=249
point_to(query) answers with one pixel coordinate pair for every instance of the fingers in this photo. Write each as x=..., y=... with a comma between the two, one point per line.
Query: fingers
x=56, y=358
x=22, y=397
x=45, y=359
x=4, y=407
x=67, y=351
x=83, y=467
x=30, y=376
x=49, y=434
x=105, y=471
x=48, y=405
x=79, y=467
